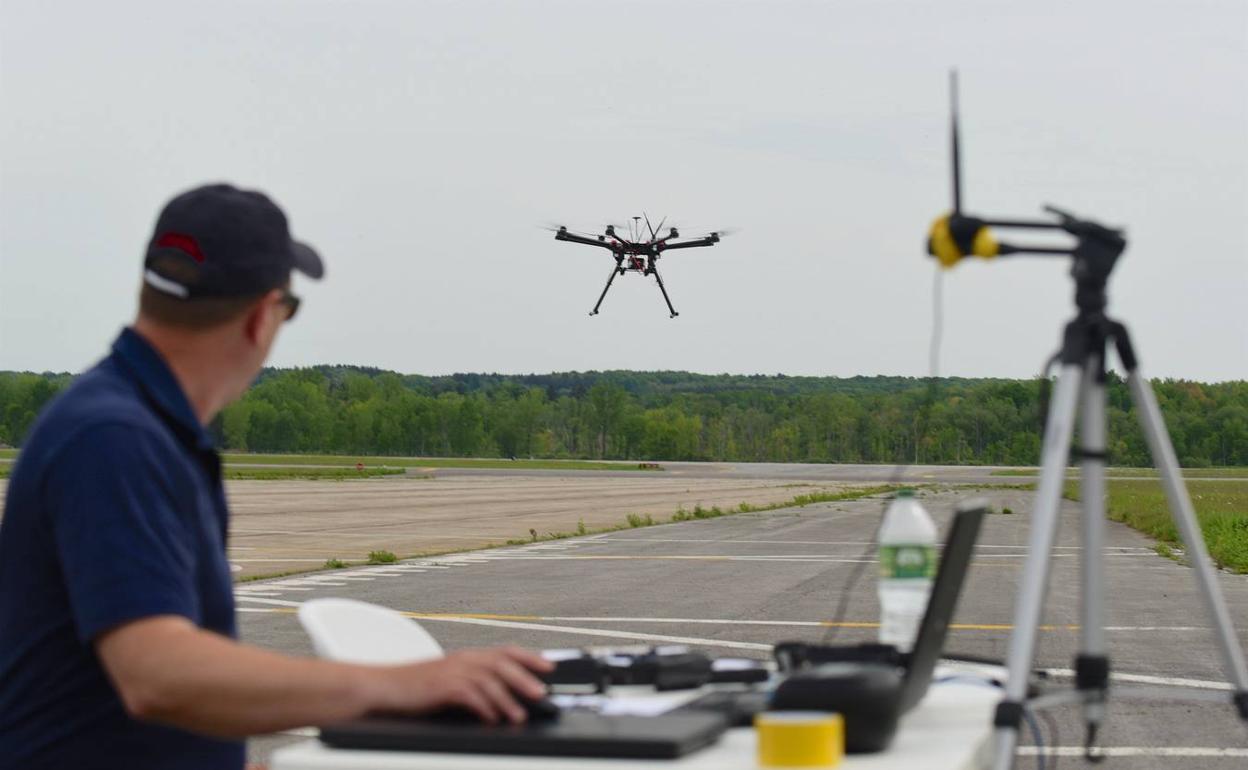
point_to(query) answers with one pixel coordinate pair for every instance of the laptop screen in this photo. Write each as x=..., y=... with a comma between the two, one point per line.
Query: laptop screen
x=944, y=599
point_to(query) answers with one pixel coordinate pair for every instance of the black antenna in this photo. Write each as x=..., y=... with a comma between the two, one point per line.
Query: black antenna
x=957, y=157
x=648, y=225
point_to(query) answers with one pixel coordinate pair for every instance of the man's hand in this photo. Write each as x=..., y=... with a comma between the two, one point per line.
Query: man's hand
x=489, y=683
x=166, y=669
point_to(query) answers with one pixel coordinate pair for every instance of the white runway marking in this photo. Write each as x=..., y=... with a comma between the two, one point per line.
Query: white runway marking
x=1165, y=681
x=761, y=558
x=1178, y=752
x=528, y=621
x=702, y=557
x=283, y=606
x=309, y=560
x=825, y=624
x=859, y=543
x=278, y=602
x=543, y=627
x=602, y=632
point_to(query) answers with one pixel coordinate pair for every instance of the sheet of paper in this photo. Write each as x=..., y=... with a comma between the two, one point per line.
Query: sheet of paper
x=630, y=705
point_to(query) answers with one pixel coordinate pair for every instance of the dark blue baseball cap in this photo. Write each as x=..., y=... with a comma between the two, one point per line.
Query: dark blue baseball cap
x=220, y=241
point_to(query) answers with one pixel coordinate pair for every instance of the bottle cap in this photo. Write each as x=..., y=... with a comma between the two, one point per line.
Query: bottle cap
x=905, y=492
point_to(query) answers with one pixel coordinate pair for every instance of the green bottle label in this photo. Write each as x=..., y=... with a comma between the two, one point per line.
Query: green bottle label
x=907, y=561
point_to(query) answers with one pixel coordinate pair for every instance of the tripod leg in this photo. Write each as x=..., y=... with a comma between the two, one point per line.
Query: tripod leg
x=1092, y=663
x=1035, y=578
x=1185, y=518
x=655, y=269
x=614, y=271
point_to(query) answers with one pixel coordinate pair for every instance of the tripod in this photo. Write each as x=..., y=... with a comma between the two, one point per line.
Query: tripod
x=1080, y=392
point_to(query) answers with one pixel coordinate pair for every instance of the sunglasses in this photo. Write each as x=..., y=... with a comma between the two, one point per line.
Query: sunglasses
x=291, y=302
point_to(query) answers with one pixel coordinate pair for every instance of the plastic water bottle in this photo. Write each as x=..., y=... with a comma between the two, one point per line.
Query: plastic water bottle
x=907, y=553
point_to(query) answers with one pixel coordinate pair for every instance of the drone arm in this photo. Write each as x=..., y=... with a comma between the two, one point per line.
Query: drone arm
x=709, y=240
x=573, y=238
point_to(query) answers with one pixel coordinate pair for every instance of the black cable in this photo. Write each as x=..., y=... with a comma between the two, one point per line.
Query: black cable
x=1030, y=717
x=1045, y=392
x=938, y=324
x=867, y=556
x=1055, y=737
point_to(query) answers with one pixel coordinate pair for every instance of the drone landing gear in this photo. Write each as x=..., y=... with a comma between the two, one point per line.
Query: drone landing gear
x=655, y=269
x=617, y=270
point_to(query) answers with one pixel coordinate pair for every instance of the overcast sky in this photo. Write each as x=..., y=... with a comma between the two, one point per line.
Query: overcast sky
x=419, y=145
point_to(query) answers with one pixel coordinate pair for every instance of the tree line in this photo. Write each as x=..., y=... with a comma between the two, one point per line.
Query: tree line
x=677, y=416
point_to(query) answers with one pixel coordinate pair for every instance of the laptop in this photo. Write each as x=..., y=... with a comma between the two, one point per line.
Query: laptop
x=739, y=708
x=574, y=734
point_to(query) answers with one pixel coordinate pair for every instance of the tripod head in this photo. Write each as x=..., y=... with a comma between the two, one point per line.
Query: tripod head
x=956, y=236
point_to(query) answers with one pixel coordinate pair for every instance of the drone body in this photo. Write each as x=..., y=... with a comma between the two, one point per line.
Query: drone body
x=636, y=253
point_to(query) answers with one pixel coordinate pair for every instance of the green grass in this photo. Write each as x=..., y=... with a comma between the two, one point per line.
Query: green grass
x=636, y=520
x=381, y=557
x=799, y=501
x=1221, y=507
x=429, y=462
x=315, y=474
x=1144, y=473
x=243, y=466
x=633, y=520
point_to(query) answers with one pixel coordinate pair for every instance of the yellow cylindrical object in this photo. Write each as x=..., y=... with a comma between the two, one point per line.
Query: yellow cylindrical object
x=941, y=244
x=799, y=739
x=985, y=245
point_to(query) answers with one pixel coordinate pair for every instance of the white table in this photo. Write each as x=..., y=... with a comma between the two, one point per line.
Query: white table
x=949, y=730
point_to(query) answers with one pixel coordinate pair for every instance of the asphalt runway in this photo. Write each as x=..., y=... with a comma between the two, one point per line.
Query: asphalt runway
x=282, y=526
x=738, y=584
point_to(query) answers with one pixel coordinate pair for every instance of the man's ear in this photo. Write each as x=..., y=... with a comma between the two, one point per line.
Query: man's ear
x=259, y=316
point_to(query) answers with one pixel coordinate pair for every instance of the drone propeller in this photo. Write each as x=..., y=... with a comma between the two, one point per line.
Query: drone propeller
x=722, y=232
x=622, y=232
x=557, y=228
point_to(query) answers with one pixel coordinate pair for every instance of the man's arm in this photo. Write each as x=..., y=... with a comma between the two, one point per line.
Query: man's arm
x=167, y=669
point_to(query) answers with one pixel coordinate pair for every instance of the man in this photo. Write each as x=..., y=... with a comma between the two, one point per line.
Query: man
x=117, y=631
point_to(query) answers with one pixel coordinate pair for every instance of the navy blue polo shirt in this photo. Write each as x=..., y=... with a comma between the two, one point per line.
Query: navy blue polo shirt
x=114, y=512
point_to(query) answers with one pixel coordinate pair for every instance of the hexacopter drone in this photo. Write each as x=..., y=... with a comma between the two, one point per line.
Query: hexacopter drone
x=637, y=253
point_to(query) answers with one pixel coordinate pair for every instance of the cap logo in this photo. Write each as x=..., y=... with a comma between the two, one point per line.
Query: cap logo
x=181, y=242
